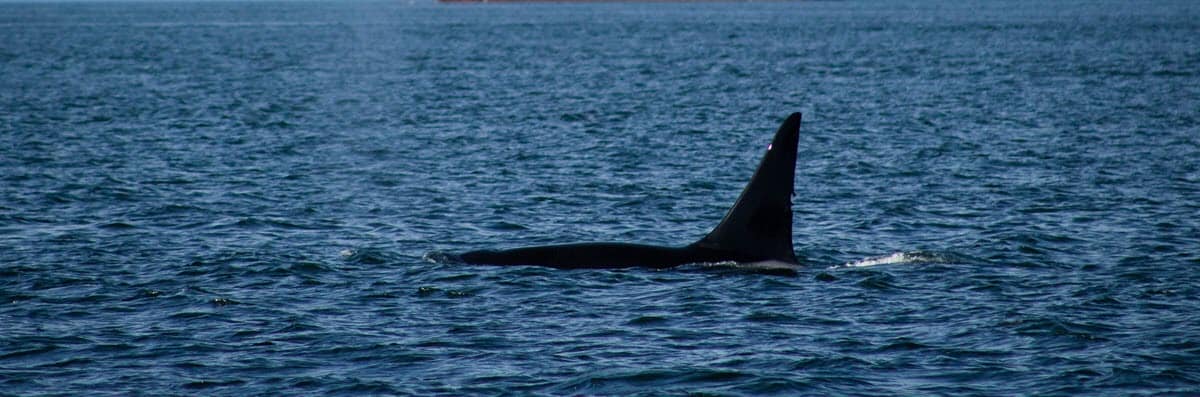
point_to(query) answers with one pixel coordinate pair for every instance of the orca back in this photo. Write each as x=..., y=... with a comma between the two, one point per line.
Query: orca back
x=758, y=228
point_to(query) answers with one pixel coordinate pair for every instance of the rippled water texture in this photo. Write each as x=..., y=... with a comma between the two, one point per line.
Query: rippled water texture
x=235, y=198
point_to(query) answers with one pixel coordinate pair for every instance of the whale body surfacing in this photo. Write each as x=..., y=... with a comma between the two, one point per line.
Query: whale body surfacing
x=758, y=228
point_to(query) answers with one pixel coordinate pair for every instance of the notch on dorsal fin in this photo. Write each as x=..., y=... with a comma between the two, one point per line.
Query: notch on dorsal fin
x=759, y=226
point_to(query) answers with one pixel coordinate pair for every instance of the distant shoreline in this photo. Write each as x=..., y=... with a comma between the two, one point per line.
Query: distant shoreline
x=613, y=1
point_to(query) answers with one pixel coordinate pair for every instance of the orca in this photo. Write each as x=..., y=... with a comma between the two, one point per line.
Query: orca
x=757, y=229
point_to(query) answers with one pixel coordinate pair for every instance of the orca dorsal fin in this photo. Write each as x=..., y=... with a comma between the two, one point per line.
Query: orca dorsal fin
x=759, y=226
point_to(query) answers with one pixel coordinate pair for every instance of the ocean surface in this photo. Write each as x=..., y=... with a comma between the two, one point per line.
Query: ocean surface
x=250, y=198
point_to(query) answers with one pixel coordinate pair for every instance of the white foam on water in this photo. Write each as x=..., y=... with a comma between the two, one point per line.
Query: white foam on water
x=896, y=258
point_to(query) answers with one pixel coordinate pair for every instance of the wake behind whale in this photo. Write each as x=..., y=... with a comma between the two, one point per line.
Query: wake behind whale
x=757, y=229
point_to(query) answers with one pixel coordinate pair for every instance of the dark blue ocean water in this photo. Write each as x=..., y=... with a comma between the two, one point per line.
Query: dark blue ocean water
x=238, y=198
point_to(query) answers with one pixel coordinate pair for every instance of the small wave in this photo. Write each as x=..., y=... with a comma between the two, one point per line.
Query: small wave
x=366, y=256
x=442, y=258
x=897, y=258
x=772, y=268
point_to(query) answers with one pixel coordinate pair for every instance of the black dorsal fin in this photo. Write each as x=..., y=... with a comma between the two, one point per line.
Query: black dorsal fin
x=759, y=226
